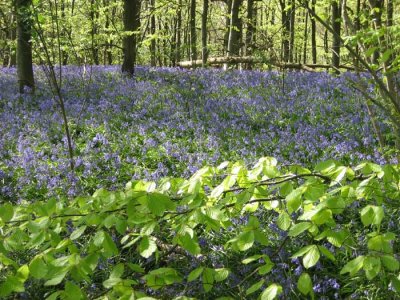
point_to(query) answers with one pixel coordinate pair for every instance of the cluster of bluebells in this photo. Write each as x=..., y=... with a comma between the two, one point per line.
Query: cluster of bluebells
x=171, y=122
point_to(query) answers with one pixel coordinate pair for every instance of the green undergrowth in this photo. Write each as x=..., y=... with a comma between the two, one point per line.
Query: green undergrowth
x=228, y=232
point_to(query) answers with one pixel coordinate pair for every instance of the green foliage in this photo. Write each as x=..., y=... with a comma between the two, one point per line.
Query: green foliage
x=127, y=242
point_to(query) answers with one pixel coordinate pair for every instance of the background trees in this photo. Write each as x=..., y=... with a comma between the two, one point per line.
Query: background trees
x=168, y=32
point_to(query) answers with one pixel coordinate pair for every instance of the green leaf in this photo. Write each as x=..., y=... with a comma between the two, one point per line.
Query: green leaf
x=325, y=167
x=109, y=283
x=311, y=258
x=195, y=274
x=77, y=233
x=208, y=279
x=6, y=212
x=294, y=199
x=299, y=228
x=221, y=274
x=72, y=291
x=372, y=266
x=390, y=263
x=270, y=293
x=304, y=284
x=117, y=271
x=326, y=253
x=109, y=247
x=252, y=258
x=395, y=283
x=38, y=268
x=372, y=215
x=245, y=240
x=353, y=266
x=284, y=221
x=57, y=277
x=255, y=287
x=23, y=273
x=147, y=247
x=190, y=244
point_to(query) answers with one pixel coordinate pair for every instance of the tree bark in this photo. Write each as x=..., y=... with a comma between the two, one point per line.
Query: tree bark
x=204, y=48
x=131, y=21
x=153, y=32
x=234, y=29
x=250, y=30
x=193, y=35
x=178, y=32
x=336, y=25
x=24, y=45
x=285, y=32
x=292, y=30
x=313, y=34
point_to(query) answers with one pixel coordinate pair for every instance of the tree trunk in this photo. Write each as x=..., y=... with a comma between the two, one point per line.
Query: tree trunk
x=305, y=38
x=193, y=35
x=178, y=32
x=250, y=30
x=131, y=20
x=336, y=24
x=292, y=29
x=313, y=34
x=94, y=15
x=204, y=17
x=153, y=32
x=227, y=24
x=24, y=45
x=285, y=32
x=234, y=29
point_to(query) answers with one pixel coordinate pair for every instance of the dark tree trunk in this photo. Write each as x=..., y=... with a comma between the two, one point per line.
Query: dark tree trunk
x=204, y=17
x=336, y=24
x=131, y=23
x=305, y=38
x=94, y=15
x=193, y=35
x=234, y=29
x=227, y=24
x=178, y=32
x=313, y=34
x=24, y=45
x=292, y=29
x=153, y=32
x=285, y=32
x=250, y=33
x=64, y=33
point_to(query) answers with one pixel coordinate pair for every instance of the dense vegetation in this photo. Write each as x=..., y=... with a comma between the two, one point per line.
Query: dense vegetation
x=154, y=210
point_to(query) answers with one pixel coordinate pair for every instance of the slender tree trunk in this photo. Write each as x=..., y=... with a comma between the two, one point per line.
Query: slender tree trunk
x=24, y=45
x=250, y=33
x=313, y=34
x=389, y=11
x=153, y=32
x=227, y=24
x=336, y=25
x=234, y=30
x=305, y=38
x=131, y=20
x=285, y=32
x=292, y=29
x=93, y=31
x=178, y=32
x=193, y=35
x=204, y=17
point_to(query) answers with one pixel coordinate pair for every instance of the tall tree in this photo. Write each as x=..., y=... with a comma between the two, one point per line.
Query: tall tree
x=285, y=52
x=24, y=45
x=251, y=27
x=153, y=33
x=234, y=29
x=336, y=40
x=313, y=33
x=204, y=48
x=131, y=20
x=193, y=33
